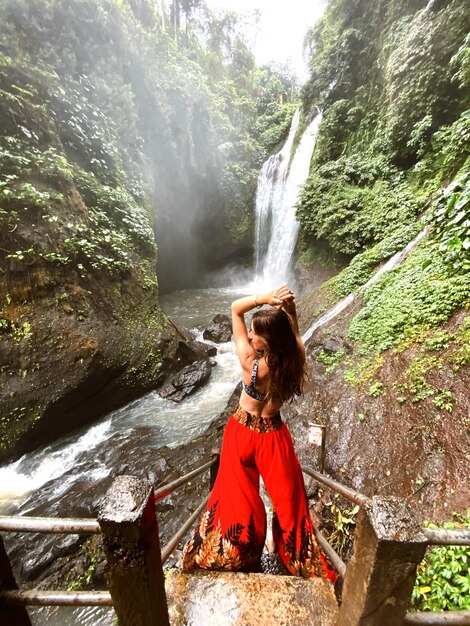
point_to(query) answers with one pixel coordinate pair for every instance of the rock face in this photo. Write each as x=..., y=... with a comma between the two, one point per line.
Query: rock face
x=187, y=381
x=76, y=367
x=225, y=598
x=382, y=440
x=220, y=330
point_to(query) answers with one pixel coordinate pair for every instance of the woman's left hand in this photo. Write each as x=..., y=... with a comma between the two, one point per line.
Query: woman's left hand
x=284, y=293
x=287, y=297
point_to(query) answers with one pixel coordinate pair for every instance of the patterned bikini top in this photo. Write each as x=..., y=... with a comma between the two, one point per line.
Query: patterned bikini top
x=250, y=389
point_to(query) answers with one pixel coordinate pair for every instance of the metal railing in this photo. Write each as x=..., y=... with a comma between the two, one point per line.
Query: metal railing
x=380, y=546
x=378, y=580
x=126, y=521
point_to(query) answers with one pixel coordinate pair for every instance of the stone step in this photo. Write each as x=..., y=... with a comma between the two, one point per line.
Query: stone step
x=204, y=598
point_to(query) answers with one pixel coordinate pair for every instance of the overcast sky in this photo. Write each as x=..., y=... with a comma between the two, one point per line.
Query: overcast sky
x=282, y=27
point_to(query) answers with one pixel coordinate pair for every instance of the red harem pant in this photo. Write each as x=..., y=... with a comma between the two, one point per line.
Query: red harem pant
x=232, y=531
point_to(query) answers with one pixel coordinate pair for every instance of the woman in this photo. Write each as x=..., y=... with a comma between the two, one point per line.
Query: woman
x=232, y=531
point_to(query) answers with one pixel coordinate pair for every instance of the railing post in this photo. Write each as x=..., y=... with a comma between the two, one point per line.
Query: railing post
x=131, y=542
x=9, y=615
x=388, y=545
x=215, y=453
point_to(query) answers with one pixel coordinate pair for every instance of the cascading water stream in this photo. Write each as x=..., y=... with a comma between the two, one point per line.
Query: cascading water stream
x=393, y=262
x=279, y=184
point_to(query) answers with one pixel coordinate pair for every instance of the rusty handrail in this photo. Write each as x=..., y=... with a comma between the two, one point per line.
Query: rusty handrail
x=72, y=526
x=435, y=536
x=34, y=597
x=165, y=490
x=347, y=492
x=437, y=618
x=173, y=542
x=448, y=536
x=49, y=525
x=56, y=598
x=339, y=564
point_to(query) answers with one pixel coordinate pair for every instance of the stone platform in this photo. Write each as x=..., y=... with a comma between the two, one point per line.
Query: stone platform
x=205, y=598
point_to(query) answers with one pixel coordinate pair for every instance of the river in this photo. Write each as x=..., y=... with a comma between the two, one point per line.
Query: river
x=65, y=464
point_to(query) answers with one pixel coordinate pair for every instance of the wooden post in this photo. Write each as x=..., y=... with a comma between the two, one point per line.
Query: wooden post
x=388, y=546
x=215, y=452
x=131, y=542
x=9, y=615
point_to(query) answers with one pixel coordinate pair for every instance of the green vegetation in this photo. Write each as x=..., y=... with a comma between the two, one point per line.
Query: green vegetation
x=442, y=582
x=84, y=573
x=364, y=265
x=393, y=82
x=451, y=221
x=434, y=350
x=355, y=202
x=15, y=423
x=330, y=359
x=414, y=299
x=422, y=294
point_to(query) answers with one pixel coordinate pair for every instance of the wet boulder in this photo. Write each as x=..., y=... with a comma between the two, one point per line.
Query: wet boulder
x=205, y=348
x=220, y=330
x=187, y=381
x=190, y=351
x=333, y=345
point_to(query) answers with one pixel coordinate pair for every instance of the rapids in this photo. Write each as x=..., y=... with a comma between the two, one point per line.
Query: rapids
x=54, y=474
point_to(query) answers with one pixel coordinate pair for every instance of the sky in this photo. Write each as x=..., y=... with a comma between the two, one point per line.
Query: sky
x=282, y=27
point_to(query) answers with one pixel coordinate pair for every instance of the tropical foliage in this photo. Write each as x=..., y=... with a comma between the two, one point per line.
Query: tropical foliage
x=392, y=158
x=442, y=583
x=392, y=80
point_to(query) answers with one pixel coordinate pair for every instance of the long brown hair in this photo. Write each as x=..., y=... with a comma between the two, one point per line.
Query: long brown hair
x=285, y=359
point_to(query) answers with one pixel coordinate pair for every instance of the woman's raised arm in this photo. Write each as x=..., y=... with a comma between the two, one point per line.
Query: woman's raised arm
x=242, y=306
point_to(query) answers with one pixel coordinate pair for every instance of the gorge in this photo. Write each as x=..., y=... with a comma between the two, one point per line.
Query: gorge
x=140, y=170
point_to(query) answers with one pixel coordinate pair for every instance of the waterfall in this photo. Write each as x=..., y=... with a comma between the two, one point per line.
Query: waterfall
x=279, y=184
x=393, y=262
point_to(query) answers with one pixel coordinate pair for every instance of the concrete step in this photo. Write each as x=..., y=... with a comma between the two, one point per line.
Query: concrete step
x=204, y=598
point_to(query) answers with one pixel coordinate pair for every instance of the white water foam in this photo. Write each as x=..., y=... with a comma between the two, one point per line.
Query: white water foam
x=33, y=470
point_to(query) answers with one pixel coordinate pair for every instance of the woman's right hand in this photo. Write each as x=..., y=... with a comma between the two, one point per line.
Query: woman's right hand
x=273, y=298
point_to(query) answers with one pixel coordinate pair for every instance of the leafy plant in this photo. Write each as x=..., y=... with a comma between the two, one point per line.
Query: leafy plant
x=442, y=582
x=16, y=331
x=451, y=221
x=376, y=389
x=330, y=359
x=444, y=400
x=344, y=523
